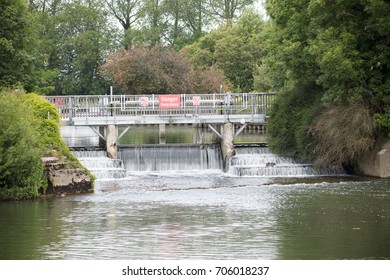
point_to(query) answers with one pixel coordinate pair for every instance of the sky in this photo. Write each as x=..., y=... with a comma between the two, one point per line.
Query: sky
x=259, y=7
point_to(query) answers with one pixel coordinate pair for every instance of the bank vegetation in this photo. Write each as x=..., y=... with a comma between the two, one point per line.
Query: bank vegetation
x=29, y=130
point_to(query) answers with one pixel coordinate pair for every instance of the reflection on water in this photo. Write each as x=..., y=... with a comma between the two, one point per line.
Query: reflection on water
x=206, y=215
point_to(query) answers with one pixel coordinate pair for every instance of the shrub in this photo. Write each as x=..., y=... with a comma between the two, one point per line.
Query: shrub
x=48, y=127
x=21, y=169
x=342, y=134
x=292, y=113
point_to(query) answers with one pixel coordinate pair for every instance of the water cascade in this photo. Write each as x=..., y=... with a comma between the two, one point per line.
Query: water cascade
x=171, y=157
x=259, y=161
x=100, y=165
x=250, y=160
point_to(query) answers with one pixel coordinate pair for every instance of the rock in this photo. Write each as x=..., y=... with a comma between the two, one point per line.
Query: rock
x=49, y=160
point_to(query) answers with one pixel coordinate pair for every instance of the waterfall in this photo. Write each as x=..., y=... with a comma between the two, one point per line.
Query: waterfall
x=254, y=160
x=170, y=157
x=259, y=161
x=100, y=165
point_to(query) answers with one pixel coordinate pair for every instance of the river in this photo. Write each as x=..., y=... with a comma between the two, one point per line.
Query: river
x=204, y=214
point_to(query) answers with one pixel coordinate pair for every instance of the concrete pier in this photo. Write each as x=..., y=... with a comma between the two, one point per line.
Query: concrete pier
x=227, y=142
x=102, y=141
x=161, y=133
x=111, y=141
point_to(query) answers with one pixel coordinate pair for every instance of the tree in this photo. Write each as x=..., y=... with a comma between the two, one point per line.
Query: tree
x=157, y=70
x=195, y=16
x=237, y=50
x=228, y=10
x=76, y=39
x=190, y=21
x=334, y=55
x=127, y=12
x=16, y=42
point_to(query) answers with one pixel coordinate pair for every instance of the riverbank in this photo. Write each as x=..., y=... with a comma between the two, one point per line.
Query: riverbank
x=30, y=131
x=63, y=180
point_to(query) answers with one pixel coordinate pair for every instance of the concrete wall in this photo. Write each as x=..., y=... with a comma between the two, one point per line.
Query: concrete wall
x=63, y=180
x=377, y=163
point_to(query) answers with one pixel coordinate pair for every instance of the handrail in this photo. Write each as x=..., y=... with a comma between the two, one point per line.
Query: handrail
x=89, y=106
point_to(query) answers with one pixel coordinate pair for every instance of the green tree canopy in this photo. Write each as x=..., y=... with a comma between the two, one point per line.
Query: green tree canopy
x=237, y=50
x=331, y=55
x=16, y=42
x=158, y=70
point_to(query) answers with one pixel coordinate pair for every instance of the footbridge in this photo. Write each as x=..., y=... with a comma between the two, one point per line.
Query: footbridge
x=104, y=113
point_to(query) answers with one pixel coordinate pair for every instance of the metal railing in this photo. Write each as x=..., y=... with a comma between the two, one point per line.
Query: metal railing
x=89, y=106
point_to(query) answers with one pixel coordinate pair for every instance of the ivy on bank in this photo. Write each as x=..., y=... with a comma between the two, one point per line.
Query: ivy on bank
x=29, y=130
x=21, y=168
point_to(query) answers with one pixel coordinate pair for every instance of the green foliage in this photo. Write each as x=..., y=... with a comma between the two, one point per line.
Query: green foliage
x=159, y=70
x=48, y=128
x=72, y=39
x=21, y=168
x=384, y=120
x=236, y=49
x=290, y=119
x=16, y=42
x=29, y=130
x=82, y=37
x=341, y=49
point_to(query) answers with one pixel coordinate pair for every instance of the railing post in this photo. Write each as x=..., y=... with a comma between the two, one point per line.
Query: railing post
x=71, y=109
x=263, y=104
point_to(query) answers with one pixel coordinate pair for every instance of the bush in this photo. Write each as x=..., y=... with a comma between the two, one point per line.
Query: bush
x=21, y=169
x=290, y=118
x=49, y=128
x=48, y=120
x=342, y=134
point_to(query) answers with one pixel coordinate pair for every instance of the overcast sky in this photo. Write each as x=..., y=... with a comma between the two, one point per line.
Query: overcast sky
x=259, y=6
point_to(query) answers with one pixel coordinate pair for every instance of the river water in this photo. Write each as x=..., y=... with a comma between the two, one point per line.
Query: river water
x=204, y=214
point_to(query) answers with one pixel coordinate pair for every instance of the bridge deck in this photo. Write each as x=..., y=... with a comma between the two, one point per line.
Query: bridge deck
x=156, y=109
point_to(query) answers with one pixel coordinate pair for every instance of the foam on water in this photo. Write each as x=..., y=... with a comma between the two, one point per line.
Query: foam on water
x=259, y=161
x=100, y=165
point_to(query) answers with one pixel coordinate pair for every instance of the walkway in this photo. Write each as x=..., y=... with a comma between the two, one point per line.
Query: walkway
x=98, y=110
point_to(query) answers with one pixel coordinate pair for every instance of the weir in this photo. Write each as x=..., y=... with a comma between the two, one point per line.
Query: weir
x=221, y=112
x=257, y=160
x=254, y=160
x=100, y=165
x=171, y=157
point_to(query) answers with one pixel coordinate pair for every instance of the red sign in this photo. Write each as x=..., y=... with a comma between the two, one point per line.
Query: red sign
x=144, y=101
x=196, y=100
x=169, y=101
x=59, y=102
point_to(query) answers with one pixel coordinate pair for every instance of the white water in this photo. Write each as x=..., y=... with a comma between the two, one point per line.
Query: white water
x=260, y=162
x=254, y=161
x=171, y=157
x=100, y=165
